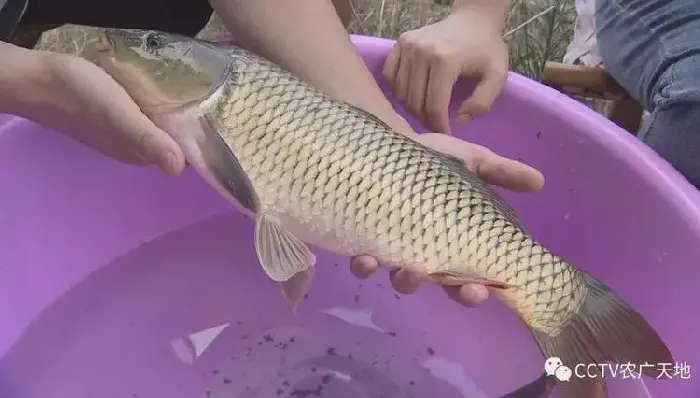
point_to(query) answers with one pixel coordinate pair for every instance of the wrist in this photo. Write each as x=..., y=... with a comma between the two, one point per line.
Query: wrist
x=22, y=76
x=492, y=13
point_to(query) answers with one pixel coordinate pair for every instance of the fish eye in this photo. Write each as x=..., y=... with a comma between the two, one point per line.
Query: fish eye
x=153, y=41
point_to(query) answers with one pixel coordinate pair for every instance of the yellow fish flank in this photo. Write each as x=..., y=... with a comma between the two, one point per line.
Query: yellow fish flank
x=310, y=169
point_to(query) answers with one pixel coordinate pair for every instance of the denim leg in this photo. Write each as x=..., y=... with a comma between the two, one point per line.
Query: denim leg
x=674, y=129
x=652, y=48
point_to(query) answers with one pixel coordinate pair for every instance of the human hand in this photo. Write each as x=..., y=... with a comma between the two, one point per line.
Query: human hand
x=494, y=169
x=425, y=63
x=79, y=99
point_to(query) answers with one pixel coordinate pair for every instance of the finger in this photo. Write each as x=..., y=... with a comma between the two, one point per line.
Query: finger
x=155, y=145
x=484, y=95
x=417, y=89
x=446, y=144
x=441, y=79
x=494, y=169
x=363, y=266
x=152, y=143
x=505, y=172
x=407, y=279
x=391, y=65
x=403, y=75
x=469, y=295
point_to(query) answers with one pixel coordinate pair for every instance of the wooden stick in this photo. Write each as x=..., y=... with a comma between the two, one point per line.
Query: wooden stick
x=585, y=81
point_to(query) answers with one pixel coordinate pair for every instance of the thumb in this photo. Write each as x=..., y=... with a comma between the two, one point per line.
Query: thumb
x=484, y=95
x=158, y=147
x=154, y=144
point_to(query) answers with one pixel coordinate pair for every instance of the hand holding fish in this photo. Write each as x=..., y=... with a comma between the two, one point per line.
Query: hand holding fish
x=425, y=63
x=496, y=170
x=74, y=96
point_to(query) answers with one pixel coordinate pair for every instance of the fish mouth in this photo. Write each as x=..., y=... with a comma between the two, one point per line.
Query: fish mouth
x=105, y=49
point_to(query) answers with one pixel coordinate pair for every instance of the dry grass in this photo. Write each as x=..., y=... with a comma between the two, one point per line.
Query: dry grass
x=536, y=30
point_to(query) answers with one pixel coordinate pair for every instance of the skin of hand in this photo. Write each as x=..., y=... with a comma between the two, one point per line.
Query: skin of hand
x=425, y=63
x=73, y=96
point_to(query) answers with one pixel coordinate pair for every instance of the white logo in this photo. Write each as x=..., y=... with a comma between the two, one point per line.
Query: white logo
x=563, y=373
x=553, y=366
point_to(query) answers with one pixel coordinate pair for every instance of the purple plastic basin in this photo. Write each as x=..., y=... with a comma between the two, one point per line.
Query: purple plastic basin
x=118, y=282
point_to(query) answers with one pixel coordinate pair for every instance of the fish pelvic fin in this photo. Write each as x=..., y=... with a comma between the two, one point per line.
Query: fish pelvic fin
x=604, y=329
x=540, y=388
x=295, y=288
x=281, y=254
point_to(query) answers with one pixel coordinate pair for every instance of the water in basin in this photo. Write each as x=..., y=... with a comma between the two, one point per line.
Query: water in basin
x=189, y=314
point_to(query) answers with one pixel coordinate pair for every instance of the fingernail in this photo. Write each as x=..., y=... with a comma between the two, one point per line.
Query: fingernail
x=169, y=163
x=464, y=118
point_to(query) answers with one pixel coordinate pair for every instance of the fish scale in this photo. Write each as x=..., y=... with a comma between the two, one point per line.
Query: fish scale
x=310, y=169
x=399, y=210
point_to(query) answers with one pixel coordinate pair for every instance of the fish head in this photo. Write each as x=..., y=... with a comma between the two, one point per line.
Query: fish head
x=160, y=69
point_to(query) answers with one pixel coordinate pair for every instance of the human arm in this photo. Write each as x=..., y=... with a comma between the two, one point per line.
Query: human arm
x=494, y=11
x=307, y=38
x=18, y=74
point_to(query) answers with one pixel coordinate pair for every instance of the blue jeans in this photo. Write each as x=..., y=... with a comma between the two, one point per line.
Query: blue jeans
x=652, y=48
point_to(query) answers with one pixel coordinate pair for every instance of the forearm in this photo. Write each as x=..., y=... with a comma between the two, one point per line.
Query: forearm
x=307, y=38
x=494, y=11
x=20, y=73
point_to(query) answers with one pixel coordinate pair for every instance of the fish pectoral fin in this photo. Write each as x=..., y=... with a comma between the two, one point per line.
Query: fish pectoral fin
x=295, y=288
x=447, y=278
x=224, y=165
x=281, y=254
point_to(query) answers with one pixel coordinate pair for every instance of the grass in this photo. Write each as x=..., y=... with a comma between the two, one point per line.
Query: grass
x=536, y=31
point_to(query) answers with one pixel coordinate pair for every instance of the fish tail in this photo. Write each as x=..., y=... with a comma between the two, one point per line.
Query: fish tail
x=540, y=388
x=604, y=329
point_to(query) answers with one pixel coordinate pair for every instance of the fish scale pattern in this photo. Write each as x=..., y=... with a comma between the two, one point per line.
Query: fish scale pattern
x=362, y=188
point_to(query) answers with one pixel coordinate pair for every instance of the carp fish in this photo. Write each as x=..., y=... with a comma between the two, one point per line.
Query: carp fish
x=309, y=169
